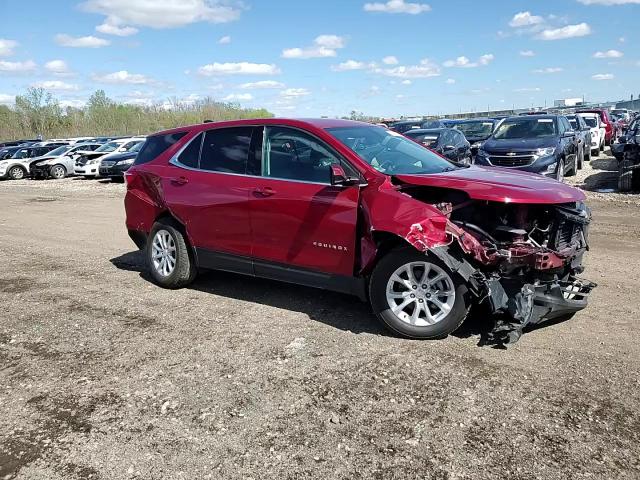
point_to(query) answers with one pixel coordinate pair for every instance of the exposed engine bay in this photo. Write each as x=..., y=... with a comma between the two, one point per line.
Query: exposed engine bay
x=521, y=260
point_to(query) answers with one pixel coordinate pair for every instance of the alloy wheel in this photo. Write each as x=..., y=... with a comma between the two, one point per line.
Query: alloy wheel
x=420, y=293
x=57, y=172
x=163, y=253
x=16, y=173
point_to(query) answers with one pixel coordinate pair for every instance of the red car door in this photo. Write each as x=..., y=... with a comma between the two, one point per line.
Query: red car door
x=207, y=188
x=297, y=217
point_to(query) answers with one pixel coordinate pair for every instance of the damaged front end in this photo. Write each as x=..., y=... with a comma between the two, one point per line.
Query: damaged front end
x=522, y=261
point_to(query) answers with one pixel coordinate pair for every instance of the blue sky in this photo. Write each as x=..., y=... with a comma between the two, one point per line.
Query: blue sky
x=312, y=58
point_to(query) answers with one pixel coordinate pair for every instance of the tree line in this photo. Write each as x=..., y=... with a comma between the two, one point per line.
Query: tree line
x=38, y=112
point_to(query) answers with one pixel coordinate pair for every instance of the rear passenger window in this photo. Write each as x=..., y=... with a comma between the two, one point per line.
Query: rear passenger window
x=226, y=150
x=156, y=145
x=190, y=155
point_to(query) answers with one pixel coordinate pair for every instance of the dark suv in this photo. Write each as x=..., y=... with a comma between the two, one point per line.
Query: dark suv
x=448, y=142
x=359, y=209
x=544, y=144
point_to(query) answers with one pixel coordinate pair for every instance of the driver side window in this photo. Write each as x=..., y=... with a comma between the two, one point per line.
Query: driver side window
x=294, y=155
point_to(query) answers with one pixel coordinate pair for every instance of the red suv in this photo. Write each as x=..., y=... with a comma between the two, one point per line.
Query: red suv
x=359, y=209
x=606, y=119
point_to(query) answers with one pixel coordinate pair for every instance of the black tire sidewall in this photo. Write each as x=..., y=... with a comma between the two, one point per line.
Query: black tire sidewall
x=184, y=271
x=15, y=169
x=377, y=296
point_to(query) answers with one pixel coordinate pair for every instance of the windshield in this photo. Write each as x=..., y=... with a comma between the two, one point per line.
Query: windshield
x=59, y=151
x=525, y=128
x=591, y=121
x=108, y=147
x=136, y=147
x=22, y=153
x=389, y=152
x=475, y=129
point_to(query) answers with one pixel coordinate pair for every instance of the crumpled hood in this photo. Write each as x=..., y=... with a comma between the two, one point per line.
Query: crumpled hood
x=499, y=185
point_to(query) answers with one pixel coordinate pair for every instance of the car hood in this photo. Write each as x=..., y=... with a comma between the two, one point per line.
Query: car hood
x=519, y=144
x=499, y=185
x=476, y=138
x=121, y=156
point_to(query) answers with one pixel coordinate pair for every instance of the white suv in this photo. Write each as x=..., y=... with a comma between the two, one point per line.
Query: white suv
x=88, y=164
x=597, y=132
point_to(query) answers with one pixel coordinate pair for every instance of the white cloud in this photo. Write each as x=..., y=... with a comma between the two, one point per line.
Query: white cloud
x=165, y=13
x=425, y=69
x=350, y=65
x=608, y=54
x=603, y=76
x=569, y=31
x=57, y=67
x=464, y=62
x=7, y=46
x=450, y=81
x=406, y=82
x=122, y=77
x=17, y=67
x=609, y=3
x=238, y=97
x=7, y=99
x=295, y=92
x=323, y=46
x=224, y=40
x=239, y=68
x=390, y=60
x=262, y=84
x=56, y=85
x=548, y=70
x=527, y=89
x=73, y=103
x=397, y=6
x=527, y=53
x=90, y=41
x=525, y=19
x=110, y=28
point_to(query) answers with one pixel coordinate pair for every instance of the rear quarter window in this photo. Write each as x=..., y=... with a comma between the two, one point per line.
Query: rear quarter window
x=156, y=145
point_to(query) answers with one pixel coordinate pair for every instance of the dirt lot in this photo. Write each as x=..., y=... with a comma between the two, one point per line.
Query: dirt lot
x=105, y=376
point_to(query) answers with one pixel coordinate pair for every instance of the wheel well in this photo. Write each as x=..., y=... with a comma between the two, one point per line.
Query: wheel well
x=386, y=242
x=18, y=166
x=167, y=216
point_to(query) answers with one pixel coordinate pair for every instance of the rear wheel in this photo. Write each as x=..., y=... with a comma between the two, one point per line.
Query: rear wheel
x=16, y=173
x=415, y=295
x=58, y=172
x=168, y=256
x=628, y=179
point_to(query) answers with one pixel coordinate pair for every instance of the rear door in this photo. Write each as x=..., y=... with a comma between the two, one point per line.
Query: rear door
x=298, y=218
x=207, y=187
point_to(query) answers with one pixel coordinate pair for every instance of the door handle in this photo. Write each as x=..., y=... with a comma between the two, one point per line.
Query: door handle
x=265, y=191
x=179, y=181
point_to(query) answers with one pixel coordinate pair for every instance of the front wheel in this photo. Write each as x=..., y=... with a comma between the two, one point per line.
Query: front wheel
x=168, y=256
x=58, y=172
x=560, y=171
x=415, y=295
x=16, y=173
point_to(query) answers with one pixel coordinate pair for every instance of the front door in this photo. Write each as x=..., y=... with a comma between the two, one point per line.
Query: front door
x=297, y=217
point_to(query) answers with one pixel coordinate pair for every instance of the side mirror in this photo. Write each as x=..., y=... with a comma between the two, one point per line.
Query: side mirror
x=339, y=176
x=449, y=148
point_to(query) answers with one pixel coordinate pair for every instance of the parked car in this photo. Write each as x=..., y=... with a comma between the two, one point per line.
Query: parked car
x=60, y=162
x=88, y=164
x=17, y=167
x=114, y=166
x=604, y=117
x=7, y=152
x=543, y=144
x=406, y=125
x=356, y=208
x=448, y=142
x=476, y=131
x=583, y=134
x=15, y=143
x=629, y=167
x=623, y=113
x=617, y=148
x=598, y=131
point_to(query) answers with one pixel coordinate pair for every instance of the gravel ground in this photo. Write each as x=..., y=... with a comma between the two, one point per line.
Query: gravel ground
x=105, y=376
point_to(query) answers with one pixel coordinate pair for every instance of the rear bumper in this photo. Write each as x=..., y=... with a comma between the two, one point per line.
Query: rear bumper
x=114, y=171
x=87, y=170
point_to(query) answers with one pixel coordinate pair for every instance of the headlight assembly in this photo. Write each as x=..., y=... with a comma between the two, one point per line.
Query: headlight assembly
x=545, y=152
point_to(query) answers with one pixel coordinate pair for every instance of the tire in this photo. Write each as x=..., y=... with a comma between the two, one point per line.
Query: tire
x=626, y=180
x=446, y=320
x=596, y=152
x=574, y=168
x=184, y=269
x=16, y=173
x=581, y=161
x=57, y=172
x=587, y=156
